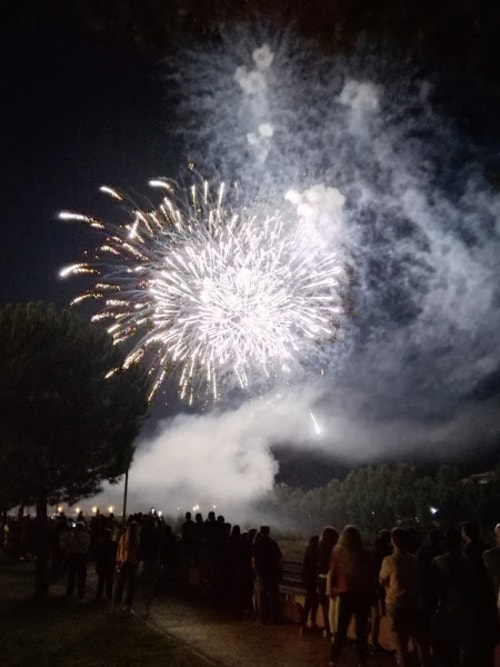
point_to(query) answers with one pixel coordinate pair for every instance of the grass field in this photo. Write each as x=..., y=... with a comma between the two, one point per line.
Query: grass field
x=71, y=633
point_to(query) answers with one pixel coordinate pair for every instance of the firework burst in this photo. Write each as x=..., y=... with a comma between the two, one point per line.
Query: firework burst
x=220, y=296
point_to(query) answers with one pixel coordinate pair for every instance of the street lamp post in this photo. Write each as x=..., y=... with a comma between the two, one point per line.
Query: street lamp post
x=125, y=493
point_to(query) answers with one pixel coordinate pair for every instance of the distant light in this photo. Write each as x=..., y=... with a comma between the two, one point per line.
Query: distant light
x=214, y=507
x=60, y=509
x=160, y=513
x=94, y=510
x=111, y=509
x=178, y=509
x=196, y=508
x=78, y=510
x=433, y=510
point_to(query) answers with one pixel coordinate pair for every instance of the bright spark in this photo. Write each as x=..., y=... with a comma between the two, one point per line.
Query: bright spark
x=111, y=192
x=216, y=296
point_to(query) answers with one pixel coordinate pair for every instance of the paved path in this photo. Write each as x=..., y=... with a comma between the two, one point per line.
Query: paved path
x=228, y=642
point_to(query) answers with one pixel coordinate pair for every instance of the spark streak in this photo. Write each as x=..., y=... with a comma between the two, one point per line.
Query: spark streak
x=317, y=429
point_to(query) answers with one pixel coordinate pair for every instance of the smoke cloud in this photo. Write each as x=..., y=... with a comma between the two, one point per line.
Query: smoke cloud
x=219, y=458
x=365, y=150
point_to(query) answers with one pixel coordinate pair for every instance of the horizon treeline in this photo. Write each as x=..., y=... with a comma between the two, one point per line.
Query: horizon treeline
x=383, y=496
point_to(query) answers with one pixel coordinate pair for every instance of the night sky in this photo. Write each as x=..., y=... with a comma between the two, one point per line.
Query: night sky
x=81, y=108
x=78, y=110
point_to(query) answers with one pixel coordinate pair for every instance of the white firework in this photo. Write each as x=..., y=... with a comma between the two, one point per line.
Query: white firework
x=215, y=295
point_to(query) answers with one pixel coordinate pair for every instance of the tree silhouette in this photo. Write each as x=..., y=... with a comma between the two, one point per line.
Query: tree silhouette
x=70, y=413
x=383, y=496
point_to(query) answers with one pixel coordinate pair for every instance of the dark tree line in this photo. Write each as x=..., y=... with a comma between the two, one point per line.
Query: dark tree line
x=384, y=496
x=69, y=412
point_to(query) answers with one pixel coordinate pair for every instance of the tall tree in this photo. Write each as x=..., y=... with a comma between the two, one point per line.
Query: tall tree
x=70, y=413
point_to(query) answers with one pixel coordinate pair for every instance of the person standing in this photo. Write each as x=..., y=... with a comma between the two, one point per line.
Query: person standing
x=105, y=559
x=127, y=560
x=351, y=577
x=399, y=576
x=75, y=544
x=267, y=565
x=309, y=574
x=425, y=555
x=491, y=558
x=454, y=624
x=328, y=539
x=480, y=650
x=149, y=558
x=381, y=549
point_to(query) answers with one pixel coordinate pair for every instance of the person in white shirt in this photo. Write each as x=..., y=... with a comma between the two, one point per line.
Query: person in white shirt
x=399, y=576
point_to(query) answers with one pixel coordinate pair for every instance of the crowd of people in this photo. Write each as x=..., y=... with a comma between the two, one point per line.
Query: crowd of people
x=440, y=596
x=208, y=558
x=238, y=569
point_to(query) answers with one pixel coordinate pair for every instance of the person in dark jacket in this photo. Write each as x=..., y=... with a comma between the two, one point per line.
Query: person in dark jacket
x=461, y=626
x=425, y=555
x=105, y=560
x=149, y=560
x=491, y=559
x=267, y=566
x=75, y=544
x=481, y=649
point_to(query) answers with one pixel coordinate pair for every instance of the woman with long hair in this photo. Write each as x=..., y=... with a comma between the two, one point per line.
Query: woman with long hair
x=328, y=539
x=351, y=577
